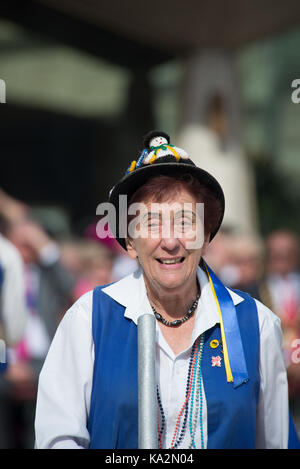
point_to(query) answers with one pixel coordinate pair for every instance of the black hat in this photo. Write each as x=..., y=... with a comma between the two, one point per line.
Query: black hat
x=159, y=157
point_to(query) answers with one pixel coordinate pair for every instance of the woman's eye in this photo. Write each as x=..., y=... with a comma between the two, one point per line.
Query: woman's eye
x=153, y=224
x=185, y=222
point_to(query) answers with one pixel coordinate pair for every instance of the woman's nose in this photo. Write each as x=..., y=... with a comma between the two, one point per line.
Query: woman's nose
x=170, y=241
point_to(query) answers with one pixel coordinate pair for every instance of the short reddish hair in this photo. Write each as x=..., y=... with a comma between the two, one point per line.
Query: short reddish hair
x=163, y=188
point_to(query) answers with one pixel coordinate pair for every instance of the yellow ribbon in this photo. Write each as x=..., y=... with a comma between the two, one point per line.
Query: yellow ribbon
x=226, y=358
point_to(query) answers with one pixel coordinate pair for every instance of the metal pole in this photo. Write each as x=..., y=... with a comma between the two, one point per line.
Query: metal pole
x=147, y=407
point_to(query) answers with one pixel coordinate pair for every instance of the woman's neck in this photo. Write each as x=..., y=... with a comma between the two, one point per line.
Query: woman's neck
x=172, y=304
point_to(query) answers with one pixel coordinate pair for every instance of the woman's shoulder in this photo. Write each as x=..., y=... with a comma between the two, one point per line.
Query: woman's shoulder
x=267, y=319
x=81, y=308
x=269, y=322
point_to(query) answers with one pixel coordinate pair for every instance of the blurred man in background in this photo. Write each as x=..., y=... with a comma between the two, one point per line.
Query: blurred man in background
x=122, y=264
x=96, y=263
x=238, y=260
x=246, y=259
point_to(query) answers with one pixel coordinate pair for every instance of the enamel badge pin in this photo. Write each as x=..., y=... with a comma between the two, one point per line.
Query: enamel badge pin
x=216, y=361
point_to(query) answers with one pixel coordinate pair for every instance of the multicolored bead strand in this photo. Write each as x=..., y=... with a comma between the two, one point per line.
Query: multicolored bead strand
x=193, y=404
x=197, y=410
x=192, y=421
x=182, y=433
x=201, y=402
x=183, y=429
x=186, y=400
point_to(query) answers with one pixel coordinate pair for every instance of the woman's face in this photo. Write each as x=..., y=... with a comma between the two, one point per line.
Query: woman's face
x=164, y=250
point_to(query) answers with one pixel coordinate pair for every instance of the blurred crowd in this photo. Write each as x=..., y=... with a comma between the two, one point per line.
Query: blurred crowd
x=40, y=277
x=269, y=270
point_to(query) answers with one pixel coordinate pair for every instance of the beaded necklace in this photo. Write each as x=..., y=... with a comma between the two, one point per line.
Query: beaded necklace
x=177, y=322
x=193, y=404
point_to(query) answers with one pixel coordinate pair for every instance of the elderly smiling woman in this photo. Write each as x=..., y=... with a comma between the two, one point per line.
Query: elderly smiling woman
x=221, y=379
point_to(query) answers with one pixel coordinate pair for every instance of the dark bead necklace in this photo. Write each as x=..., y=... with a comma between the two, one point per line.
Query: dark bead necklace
x=177, y=322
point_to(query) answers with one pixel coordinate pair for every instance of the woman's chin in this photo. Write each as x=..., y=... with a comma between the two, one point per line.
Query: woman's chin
x=170, y=279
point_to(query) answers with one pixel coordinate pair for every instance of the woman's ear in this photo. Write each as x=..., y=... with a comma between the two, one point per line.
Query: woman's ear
x=205, y=245
x=131, y=248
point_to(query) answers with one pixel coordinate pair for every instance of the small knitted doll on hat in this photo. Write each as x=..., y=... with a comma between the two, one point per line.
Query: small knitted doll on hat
x=157, y=143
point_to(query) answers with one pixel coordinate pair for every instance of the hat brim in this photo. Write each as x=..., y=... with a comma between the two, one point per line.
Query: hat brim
x=129, y=184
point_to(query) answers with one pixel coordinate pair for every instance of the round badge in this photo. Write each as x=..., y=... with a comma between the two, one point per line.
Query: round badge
x=214, y=343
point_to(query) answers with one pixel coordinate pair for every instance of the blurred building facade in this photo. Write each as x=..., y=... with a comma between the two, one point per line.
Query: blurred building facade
x=84, y=84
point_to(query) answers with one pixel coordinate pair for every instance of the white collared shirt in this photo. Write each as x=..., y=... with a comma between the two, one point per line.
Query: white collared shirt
x=65, y=383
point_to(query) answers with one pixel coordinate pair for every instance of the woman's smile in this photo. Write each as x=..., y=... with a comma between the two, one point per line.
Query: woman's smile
x=170, y=263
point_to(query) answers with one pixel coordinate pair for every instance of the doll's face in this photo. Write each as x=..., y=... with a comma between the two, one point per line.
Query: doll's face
x=156, y=141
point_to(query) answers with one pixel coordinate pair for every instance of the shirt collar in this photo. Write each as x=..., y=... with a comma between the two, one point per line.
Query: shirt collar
x=131, y=293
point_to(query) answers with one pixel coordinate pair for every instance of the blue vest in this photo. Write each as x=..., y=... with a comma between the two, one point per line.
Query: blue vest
x=113, y=419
